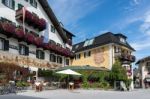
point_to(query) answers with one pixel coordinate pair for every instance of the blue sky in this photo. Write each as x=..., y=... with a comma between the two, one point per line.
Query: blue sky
x=89, y=18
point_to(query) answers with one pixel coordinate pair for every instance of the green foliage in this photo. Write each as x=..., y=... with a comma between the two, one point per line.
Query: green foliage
x=45, y=73
x=118, y=73
x=22, y=84
x=128, y=82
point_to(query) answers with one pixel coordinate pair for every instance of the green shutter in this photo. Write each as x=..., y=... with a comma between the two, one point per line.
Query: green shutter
x=6, y=45
x=13, y=4
x=31, y=2
x=3, y=1
x=37, y=56
x=43, y=55
x=27, y=51
x=19, y=49
x=20, y=6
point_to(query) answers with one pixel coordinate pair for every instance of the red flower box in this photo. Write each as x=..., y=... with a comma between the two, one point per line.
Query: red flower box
x=19, y=32
x=38, y=41
x=31, y=19
x=30, y=38
x=42, y=24
x=8, y=27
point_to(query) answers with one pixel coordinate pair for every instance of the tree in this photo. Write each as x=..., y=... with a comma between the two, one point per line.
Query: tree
x=118, y=73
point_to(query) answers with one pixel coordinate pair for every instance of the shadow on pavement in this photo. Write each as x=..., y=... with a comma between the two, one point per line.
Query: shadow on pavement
x=17, y=97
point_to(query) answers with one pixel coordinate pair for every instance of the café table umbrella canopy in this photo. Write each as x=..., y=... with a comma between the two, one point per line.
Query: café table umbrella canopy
x=68, y=72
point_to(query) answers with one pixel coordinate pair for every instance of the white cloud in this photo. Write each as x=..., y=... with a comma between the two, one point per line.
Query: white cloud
x=71, y=11
x=142, y=44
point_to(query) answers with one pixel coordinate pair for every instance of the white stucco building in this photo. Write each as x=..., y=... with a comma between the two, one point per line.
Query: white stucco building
x=144, y=71
x=31, y=35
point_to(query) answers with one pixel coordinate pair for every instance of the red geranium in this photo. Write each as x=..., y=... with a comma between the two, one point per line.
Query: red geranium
x=8, y=27
x=19, y=32
x=30, y=38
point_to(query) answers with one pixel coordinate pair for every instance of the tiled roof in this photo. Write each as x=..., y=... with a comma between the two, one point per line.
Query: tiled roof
x=101, y=40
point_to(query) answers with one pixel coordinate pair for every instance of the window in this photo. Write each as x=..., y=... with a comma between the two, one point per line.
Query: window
x=26, y=0
x=52, y=42
x=1, y=44
x=23, y=50
x=33, y=3
x=87, y=54
x=4, y=44
x=52, y=29
x=52, y=57
x=59, y=45
x=67, y=61
x=20, y=6
x=40, y=54
x=88, y=42
x=122, y=40
x=9, y=3
x=59, y=59
x=77, y=56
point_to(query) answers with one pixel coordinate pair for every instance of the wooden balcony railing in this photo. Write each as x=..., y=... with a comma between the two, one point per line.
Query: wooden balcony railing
x=31, y=19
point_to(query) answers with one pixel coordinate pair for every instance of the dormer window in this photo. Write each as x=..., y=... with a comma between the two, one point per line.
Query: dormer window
x=122, y=40
x=88, y=42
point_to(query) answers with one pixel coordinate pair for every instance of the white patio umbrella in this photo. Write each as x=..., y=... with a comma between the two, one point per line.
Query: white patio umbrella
x=68, y=72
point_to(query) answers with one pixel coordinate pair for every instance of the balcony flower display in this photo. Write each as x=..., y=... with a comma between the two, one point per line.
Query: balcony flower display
x=8, y=28
x=52, y=47
x=45, y=46
x=30, y=38
x=31, y=19
x=38, y=41
x=19, y=32
x=42, y=24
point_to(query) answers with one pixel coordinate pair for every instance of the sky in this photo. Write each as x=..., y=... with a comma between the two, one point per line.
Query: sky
x=90, y=18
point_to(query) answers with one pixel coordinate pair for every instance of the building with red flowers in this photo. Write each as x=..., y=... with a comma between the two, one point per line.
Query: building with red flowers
x=31, y=36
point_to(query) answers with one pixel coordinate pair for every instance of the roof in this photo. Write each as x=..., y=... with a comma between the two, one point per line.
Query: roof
x=69, y=32
x=53, y=18
x=100, y=40
x=143, y=60
x=86, y=67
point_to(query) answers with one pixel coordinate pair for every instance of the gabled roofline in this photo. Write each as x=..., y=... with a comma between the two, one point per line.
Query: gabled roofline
x=51, y=15
x=68, y=32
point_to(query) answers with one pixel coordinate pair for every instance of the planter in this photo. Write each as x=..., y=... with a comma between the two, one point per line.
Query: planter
x=19, y=33
x=31, y=19
x=42, y=24
x=38, y=41
x=8, y=28
x=30, y=38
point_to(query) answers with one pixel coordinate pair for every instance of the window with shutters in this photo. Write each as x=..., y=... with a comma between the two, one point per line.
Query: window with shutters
x=40, y=54
x=52, y=29
x=67, y=61
x=52, y=57
x=23, y=50
x=33, y=3
x=87, y=54
x=2, y=43
x=59, y=59
x=9, y=3
x=77, y=56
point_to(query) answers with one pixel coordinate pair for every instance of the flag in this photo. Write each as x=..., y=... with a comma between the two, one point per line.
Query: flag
x=24, y=15
x=46, y=33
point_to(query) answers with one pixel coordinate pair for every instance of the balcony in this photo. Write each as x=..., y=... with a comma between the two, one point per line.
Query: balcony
x=11, y=30
x=31, y=19
x=125, y=57
x=7, y=28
